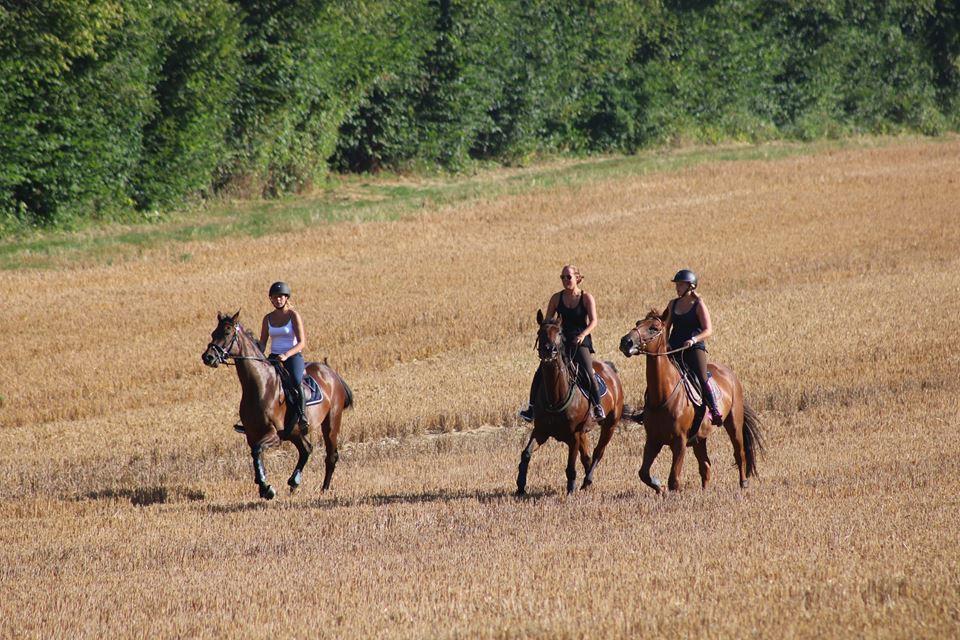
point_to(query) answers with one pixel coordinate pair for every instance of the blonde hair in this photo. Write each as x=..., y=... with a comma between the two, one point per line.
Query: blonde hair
x=576, y=272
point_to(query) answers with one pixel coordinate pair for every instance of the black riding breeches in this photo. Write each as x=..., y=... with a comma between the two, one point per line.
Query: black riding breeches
x=696, y=361
x=584, y=360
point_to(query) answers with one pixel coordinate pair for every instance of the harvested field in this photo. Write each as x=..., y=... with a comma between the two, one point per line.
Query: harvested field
x=127, y=505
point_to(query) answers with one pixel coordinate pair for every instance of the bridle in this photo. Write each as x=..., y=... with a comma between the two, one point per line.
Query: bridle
x=570, y=375
x=223, y=355
x=643, y=343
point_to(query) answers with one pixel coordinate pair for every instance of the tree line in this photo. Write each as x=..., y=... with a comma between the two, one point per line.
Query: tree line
x=114, y=109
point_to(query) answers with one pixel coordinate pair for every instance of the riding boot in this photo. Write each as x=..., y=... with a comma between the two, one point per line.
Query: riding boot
x=527, y=413
x=598, y=412
x=715, y=417
x=304, y=424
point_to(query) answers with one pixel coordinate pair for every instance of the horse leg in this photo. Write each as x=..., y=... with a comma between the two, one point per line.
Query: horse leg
x=650, y=452
x=259, y=475
x=572, y=449
x=735, y=431
x=700, y=450
x=583, y=444
x=331, y=429
x=532, y=445
x=605, y=434
x=678, y=446
x=304, y=448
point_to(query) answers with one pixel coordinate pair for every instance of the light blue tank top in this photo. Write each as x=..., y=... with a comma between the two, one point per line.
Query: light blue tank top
x=282, y=339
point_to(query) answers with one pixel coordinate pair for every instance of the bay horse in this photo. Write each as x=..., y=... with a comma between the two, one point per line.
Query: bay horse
x=264, y=408
x=561, y=412
x=668, y=414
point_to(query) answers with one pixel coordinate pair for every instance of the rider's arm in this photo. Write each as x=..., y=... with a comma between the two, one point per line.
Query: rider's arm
x=552, y=305
x=301, y=336
x=264, y=334
x=703, y=315
x=591, y=306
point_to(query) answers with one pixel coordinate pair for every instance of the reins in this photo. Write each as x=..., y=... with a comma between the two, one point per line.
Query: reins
x=570, y=376
x=223, y=353
x=659, y=353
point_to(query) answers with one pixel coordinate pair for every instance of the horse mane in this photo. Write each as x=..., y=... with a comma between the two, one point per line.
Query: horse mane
x=253, y=339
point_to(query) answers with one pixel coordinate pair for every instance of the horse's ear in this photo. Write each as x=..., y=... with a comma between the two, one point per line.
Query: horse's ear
x=559, y=319
x=539, y=316
x=235, y=316
x=219, y=316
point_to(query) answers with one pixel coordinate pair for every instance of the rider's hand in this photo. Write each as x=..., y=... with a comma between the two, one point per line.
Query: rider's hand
x=282, y=357
x=689, y=343
x=580, y=338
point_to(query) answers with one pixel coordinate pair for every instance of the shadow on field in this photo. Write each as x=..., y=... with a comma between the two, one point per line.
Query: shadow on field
x=482, y=497
x=146, y=496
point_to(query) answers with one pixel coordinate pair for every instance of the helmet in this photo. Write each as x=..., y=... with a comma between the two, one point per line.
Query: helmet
x=685, y=275
x=279, y=289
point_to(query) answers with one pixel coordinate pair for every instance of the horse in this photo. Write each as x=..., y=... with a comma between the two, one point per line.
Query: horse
x=264, y=408
x=668, y=414
x=563, y=413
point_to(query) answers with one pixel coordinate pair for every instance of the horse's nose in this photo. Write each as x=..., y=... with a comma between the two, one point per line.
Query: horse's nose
x=207, y=359
x=626, y=345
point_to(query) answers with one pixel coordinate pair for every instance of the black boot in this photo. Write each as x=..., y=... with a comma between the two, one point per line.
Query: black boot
x=304, y=424
x=527, y=413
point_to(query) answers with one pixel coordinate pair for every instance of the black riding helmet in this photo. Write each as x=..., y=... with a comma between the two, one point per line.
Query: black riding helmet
x=279, y=289
x=685, y=275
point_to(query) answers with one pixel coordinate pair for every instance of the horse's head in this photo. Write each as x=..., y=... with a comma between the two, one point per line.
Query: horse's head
x=643, y=338
x=549, y=338
x=223, y=340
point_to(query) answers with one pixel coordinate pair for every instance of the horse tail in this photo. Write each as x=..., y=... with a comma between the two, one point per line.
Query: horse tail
x=752, y=438
x=349, y=401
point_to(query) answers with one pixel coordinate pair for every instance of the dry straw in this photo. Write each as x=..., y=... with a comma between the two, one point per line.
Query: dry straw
x=834, y=282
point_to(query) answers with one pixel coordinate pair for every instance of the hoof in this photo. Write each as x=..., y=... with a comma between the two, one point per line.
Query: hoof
x=521, y=493
x=294, y=482
x=267, y=492
x=586, y=484
x=744, y=484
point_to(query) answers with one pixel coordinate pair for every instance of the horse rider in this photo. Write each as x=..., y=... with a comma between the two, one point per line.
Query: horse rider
x=578, y=310
x=687, y=324
x=284, y=328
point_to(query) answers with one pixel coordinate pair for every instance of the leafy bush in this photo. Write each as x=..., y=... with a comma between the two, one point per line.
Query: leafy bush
x=108, y=107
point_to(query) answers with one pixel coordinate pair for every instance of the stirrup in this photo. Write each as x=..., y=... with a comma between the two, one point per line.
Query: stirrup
x=526, y=414
x=715, y=418
x=598, y=412
x=239, y=428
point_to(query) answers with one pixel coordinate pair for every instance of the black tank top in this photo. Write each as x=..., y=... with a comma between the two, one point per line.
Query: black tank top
x=684, y=326
x=574, y=321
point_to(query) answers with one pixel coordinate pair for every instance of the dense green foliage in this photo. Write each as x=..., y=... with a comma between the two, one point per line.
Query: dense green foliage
x=116, y=108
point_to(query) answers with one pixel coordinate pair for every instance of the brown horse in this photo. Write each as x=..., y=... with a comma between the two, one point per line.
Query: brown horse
x=668, y=414
x=563, y=413
x=263, y=406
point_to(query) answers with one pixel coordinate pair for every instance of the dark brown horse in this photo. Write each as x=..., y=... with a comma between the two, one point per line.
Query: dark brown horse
x=264, y=408
x=562, y=412
x=668, y=414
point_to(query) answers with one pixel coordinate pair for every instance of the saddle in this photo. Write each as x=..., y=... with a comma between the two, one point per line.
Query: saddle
x=691, y=385
x=584, y=386
x=312, y=392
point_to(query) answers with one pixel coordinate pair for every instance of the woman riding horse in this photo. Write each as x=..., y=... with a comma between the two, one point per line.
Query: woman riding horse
x=578, y=311
x=688, y=325
x=284, y=328
x=263, y=408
